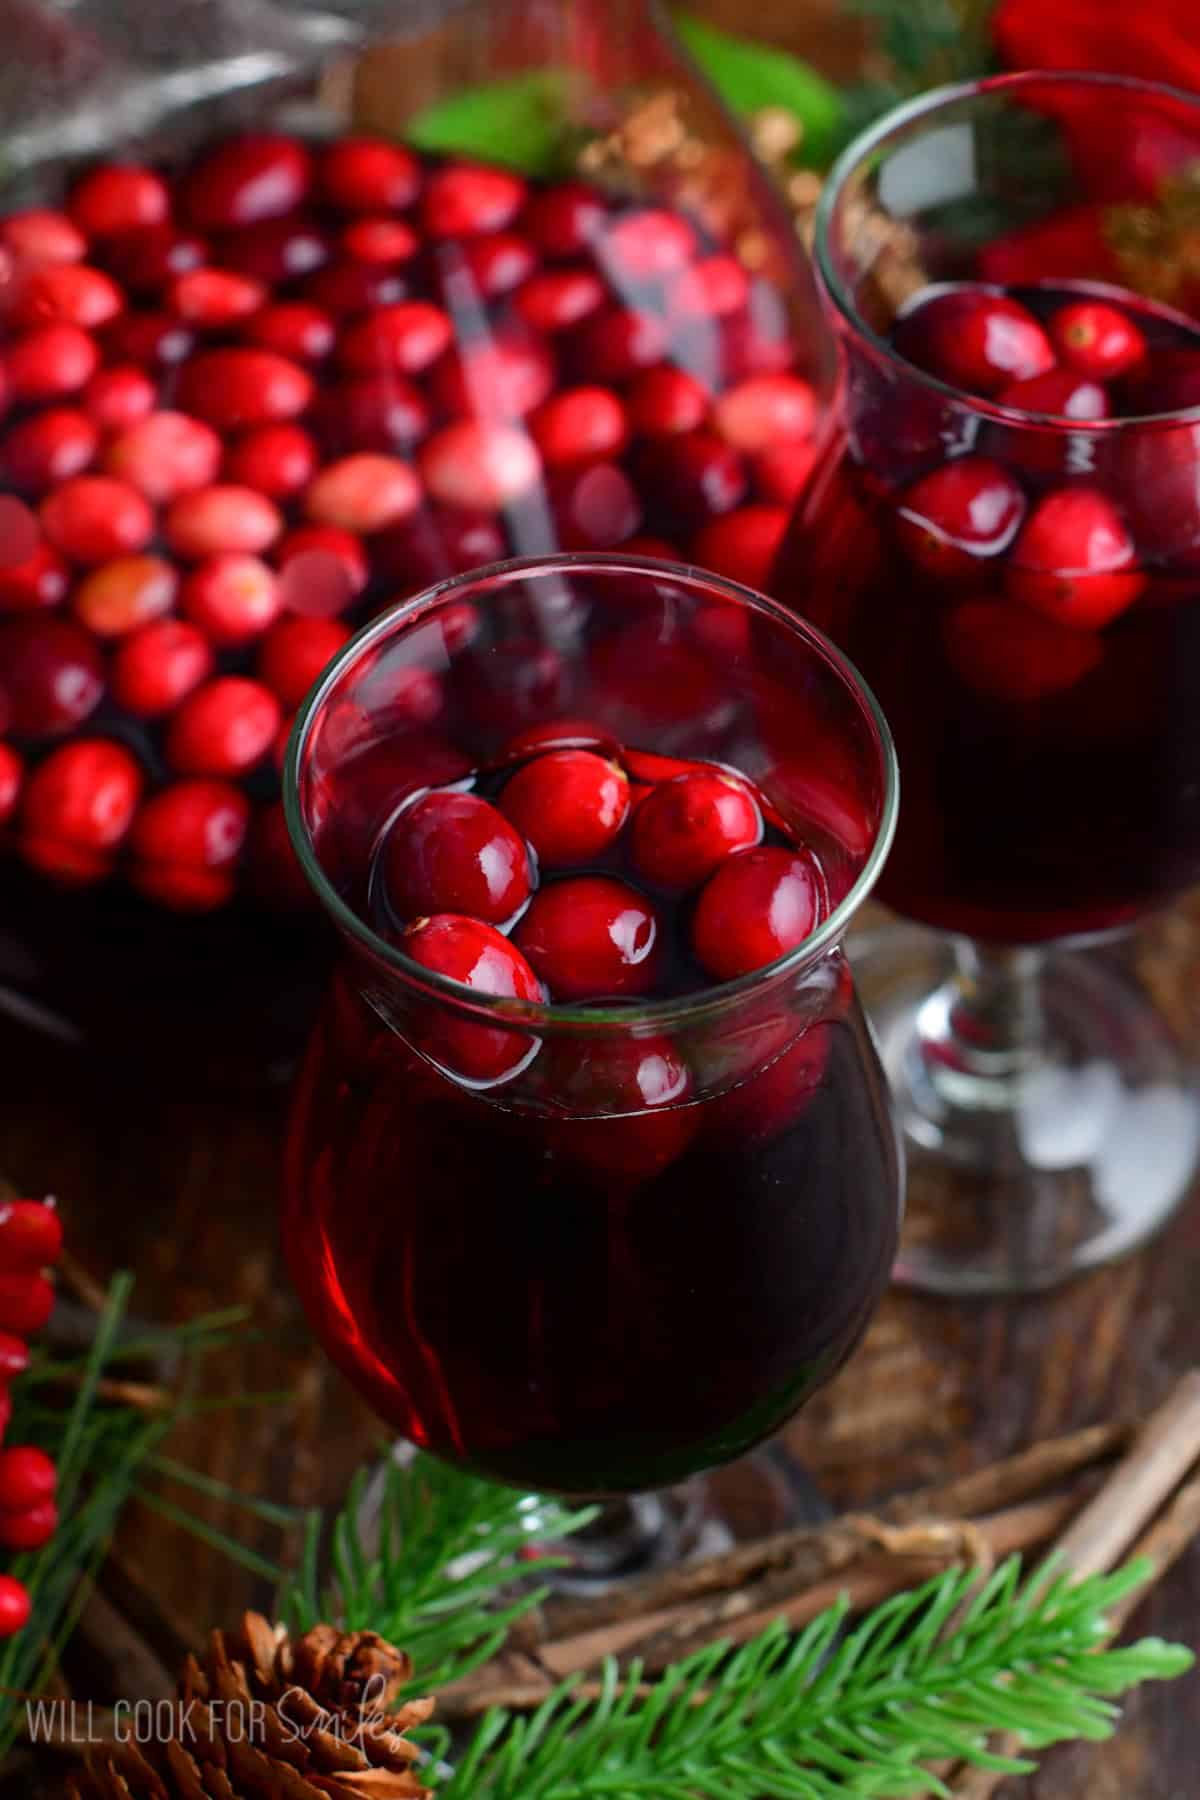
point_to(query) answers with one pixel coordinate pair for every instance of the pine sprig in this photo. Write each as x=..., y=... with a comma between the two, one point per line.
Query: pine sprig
x=831, y=1714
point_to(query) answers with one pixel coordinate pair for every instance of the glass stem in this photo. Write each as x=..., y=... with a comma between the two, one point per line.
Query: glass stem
x=982, y=1034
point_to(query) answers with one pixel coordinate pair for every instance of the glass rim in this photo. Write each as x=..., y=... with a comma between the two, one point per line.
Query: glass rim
x=933, y=101
x=545, y=1016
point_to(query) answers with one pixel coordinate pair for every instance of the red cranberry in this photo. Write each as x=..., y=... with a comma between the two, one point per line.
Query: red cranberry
x=760, y=411
x=234, y=389
x=666, y=400
x=504, y=378
x=1008, y=654
x=479, y=463
x=617, y=343
x=48, y=447
x=12, y=774
x=711, y=288
x=756, y=907
x=467, y=198
x=294, y=653
x=1059, y=393
x=634, y=1090
x=245, y=180
x=595, y=507
x=322, y=569
x=14, y=1359
x=559, y=298
x=757, y=340
x=64, y=294
x=345, y=288
x=293, y=329
x=967, y=509
x=122, y=595
x=93, y=518
x=689, y=825
x=369, y=175
x=26, y=1302
x=165, y=455
x=434, y=543
x=184, y=842
x=693, y=477
x=388, y=241
x=116, y=398
x=28, y=1477
x=231, y=598
x=1096, y=339
x=371, y=412
x=158, y=666
x=156, y=340
x=278, y=460
x=31, y=1237
x=499, y=261
x=478, y=956
x=579, y=425
x=43, y=236
x=763, y=1107
x=558, y=734
x=396, y=339
x=30, y=1529
x=223, y=728
x=565, y=220
x=974, y=338
x=119, y=197
x=39, y=579
x=214, y=299
x=277, y=251
x=15, y=1606
x=455, y=853
x=364, y=493
x=50, y=361
x=223, y=518
x=78, y=805
x=1074, y=560
x=743, y=545
x=591, y=938
x=645, y=246
x=781, y=473
x=569, y=804
x=144, y=261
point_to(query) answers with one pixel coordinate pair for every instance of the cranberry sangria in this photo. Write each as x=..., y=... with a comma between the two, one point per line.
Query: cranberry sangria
x=1005, y=536
x=258, y=388
x=591, y=1178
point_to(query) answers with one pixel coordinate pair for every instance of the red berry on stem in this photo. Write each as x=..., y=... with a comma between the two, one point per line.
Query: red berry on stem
x=743, y=545
x=50, y=361
x=245, y=180
x=30, y=1529
x=185, y=842
x=967, y=509
x=974, y=338
x=278, y=460
x=224, y=728
x=1075, y=560
x=155, y=668
x=294, y=653
x=51, y=674
x=12, y=774
x=78, y=805
x=232, y=599
x=455, y=853
x=26, y=1302
x=591, y=938
x=1009, y=654
x=478, y=956
x=1097, y=339
x=479, y=463
x=369, y=175
x=15, y=1606
x=122, y=595
x=116, y=398
x=27, y=1478
x=119, y=197
x=234, y=389
x=293, y=329
x=43, y=236
x=31, y=1237
x=558, y=298
x=687, y=827
x=464, y=199
x=220, y=519
x=569, y=804
x=757, y=907
x=1059, y=393
x=93, y=518
x=579, y=425
x=665, y=400
x=47, y=448
x=363, y=493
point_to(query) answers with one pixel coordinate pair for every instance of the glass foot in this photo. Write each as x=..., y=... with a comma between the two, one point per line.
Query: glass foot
x=1051, y=1122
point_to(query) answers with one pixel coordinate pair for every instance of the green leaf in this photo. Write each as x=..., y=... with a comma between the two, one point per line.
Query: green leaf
x=750, y=76
x=519, y=122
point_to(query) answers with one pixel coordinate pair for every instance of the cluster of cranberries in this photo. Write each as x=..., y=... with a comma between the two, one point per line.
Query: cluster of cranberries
x=594, y=873
x=30, y=1243
x=282, y=383
x=1070, y=549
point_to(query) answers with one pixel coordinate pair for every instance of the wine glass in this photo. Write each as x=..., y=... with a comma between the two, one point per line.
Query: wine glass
x=597, y=1242
x=1004, y=533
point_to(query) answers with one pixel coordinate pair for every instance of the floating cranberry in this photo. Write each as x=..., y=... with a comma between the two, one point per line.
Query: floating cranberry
x=455, y=853
x=232, y=599
x=294, y=653
x=693, y=477
x=221, y=518
x=665, y=400
x=396, y=339
x=64, y=294
x=743, y=545
x=758, y=412
x=591, y=938
x=28, y=1477
x=645, y=246
x=12, y=774
x=322, y=569
x=1075, y=560
x=565, y=220
x=579, y=425
x=48, y=447
x=15, y=1606
x=617, y=343
x=50, y=361
x=687, y=827
x=569, y=804
x=388, y=241
x=244, y=181
x=369, y=175
x=26, y=1302
x=634, y=1090
x=480, y=958
x=479, y=463
x=116, y=398
x=757, y=907
x=156, y=340
x=214, y=299
x=968, y=509
x=363, y=493
x=974, y=338
x=293, y=329
x=165, y=455
x=277, y=251
x=504, y=378
x=119, y=596
x=118, y=197
x=558, y=298
x=51, y=674
x=93, y=518
x=595, y=507
x=1059, y=393
x=1098, y=340
x=43, y=236
x=234, y=389
x=78, y=805
x=558, y=734
x=185, y=842
x=345, y=288
x=467, y=198
x=371, y=412
x=30, y=1529
x=781, y=473
x=278, y=460
x=771, y=1100
x=1006, y=653
x=144, y=261
x=158, y=667
x=223, y=728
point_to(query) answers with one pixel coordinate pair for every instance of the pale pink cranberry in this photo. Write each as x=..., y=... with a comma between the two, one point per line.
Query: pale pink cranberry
x=48, y=447
x=50, y=361
x=214, y=298
x=758, y=413
x=223, y=728
x=479, y=463
x=294, y=329
x=245, y=180
x=388, y=241
x=559, y=297
x=234, y=389
x=464, y=199
x=322, y=569
x=63, y=294
x=363, y=493
x=221, y=519
x=233, y=599
x=645, y=246
x=368, y=175
x=124, y=594
x=118, y=197
x=503, y=378
x=117, y=398
x=43, y=235
x=580, y=424
x=665, y=400
x=712, y=288
x=93, y=518
x=165, y=455
x=158, y=666
x=278, y=460
x=402, y=339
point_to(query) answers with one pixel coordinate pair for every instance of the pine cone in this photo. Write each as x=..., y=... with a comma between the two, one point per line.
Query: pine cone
x=266, y=1718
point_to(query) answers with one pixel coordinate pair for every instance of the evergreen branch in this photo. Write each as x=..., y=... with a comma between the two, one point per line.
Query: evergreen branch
x=835, y=1714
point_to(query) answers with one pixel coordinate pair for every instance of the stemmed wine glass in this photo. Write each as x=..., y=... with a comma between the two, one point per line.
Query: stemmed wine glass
x=591, y=1179
x=1004, y=534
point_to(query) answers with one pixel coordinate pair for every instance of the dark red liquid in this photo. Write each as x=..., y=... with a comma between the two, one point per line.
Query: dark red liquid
x=1050, y=775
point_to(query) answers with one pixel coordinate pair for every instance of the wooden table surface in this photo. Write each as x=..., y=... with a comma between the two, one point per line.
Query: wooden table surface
x=180, y=1188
